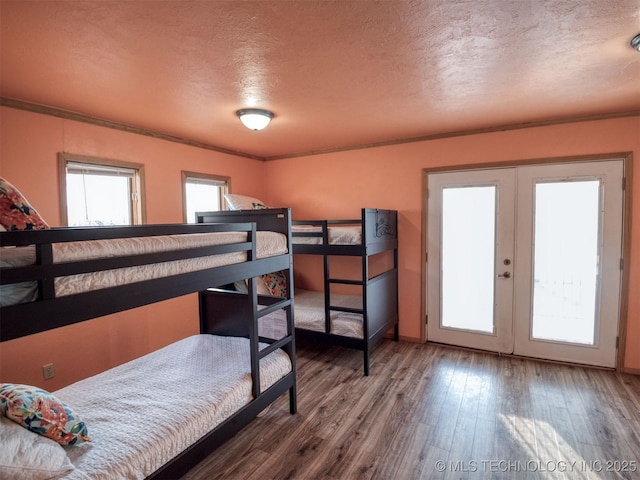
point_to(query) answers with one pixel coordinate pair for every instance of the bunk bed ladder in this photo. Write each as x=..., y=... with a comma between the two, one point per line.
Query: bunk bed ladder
x=328, y=307
x=286, y=342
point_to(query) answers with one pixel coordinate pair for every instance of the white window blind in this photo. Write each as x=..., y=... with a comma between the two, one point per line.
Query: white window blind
x=91, y=169
x=206, y=181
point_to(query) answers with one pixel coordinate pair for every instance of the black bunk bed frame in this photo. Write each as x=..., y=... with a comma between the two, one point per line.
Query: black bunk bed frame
x=379, y=294
x=49, y=312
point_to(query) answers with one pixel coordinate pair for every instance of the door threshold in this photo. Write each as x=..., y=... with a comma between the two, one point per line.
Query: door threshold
x=522, y=357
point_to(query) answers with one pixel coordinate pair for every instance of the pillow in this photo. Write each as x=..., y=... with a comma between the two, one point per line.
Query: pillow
x=15, y=211
x=27, y=456
x=41, y=412
x=242, y=202
x=241, y=286
x=276, y=283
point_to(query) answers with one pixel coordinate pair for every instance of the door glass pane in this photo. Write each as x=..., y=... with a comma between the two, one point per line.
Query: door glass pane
x=566, y=261
x=468, y=257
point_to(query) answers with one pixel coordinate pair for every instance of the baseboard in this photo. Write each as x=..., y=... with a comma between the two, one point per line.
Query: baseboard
x=407, y=339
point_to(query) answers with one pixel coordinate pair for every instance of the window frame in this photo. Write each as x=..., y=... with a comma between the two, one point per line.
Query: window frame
x=186, y=175
x=137, y=201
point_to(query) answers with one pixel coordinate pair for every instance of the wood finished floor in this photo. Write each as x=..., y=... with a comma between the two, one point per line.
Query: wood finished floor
x=433, y=412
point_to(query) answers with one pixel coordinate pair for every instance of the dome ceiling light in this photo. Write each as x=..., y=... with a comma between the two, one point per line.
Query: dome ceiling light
x=255, y=118
x=635, y=42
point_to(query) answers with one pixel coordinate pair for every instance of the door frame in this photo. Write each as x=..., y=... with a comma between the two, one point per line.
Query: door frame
x=627, y=158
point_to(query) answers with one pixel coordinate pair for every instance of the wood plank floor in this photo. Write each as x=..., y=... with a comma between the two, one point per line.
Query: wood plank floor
x=433, y=412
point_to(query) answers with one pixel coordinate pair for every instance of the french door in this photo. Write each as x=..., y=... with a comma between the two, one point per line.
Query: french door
x=526, y=260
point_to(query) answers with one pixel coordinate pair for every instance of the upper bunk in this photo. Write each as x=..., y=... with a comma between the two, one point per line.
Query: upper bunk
x=72, y=274
x=374, y=232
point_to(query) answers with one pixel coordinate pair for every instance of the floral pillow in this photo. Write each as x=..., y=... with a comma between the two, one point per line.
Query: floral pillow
x=15, y=211
x=276, y=283
x=241, y=286
x=41, y=412
x=243, y=202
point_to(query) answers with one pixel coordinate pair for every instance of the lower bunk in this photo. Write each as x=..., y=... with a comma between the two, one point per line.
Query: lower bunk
x=352, y=326
x=154, y=416
x=346, y=326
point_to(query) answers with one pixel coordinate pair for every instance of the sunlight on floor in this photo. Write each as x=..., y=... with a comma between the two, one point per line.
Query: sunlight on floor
x=541, y=443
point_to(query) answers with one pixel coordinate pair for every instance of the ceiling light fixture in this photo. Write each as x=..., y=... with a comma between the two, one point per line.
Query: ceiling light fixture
x=255, y=118
x=635, y=42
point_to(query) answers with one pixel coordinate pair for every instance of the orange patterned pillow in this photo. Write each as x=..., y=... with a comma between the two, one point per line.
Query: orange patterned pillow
x=276, y=283
x=15, y=211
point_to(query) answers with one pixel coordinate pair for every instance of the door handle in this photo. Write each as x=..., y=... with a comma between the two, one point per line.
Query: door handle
x=505, y=275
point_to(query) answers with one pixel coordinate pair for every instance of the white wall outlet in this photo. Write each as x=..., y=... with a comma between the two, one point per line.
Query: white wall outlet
x=47, y=371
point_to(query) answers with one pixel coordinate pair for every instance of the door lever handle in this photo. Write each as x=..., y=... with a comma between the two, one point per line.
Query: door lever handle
x=505, y=275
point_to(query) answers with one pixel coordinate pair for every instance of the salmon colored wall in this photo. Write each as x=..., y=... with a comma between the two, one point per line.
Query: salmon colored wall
x=322, y=186
x=29, y=144
x=339, y=184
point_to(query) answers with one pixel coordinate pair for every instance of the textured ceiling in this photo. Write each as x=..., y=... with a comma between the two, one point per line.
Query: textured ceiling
x=335, y=73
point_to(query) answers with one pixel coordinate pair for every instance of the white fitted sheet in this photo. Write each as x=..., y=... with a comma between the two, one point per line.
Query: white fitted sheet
x=339, y=235
x=143, y=413
x=267, y=244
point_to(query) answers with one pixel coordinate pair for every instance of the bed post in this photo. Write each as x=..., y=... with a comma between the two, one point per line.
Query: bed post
x=291, y=347
x=396, y=326
x=252, y=297
x=365, y=309
x=327, y=277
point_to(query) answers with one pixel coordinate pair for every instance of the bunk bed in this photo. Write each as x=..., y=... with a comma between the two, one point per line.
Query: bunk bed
x=173, y=385
x=354, y=321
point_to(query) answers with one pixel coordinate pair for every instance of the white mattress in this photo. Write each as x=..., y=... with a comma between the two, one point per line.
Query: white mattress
x=309, y=314
x=342, y=235
x=17, y=292
x=142, y=414
x=267, y=244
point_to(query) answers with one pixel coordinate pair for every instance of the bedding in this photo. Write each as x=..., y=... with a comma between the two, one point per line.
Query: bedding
x=274, y=325
x=309, y=313
x=339, y=235
x=244, y=202
x=22, y=292
x=26, y=455
x=268, y=244
x=145, y=412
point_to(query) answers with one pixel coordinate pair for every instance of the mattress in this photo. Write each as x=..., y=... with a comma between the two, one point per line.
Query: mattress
x=309, y=314
x=342, y=235
x=267, y=244
x=274, y=325
x=17, y=292
x=143, y=413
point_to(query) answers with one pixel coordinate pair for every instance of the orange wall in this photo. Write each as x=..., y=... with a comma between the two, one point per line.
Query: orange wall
x=322, y=186
x=29, y=144
x=337, y=185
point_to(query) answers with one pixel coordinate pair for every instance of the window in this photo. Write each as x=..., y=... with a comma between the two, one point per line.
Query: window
x=96, y=191
x=202, y=193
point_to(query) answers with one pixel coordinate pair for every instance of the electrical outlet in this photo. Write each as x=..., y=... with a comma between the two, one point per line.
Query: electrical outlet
x=47, y=371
